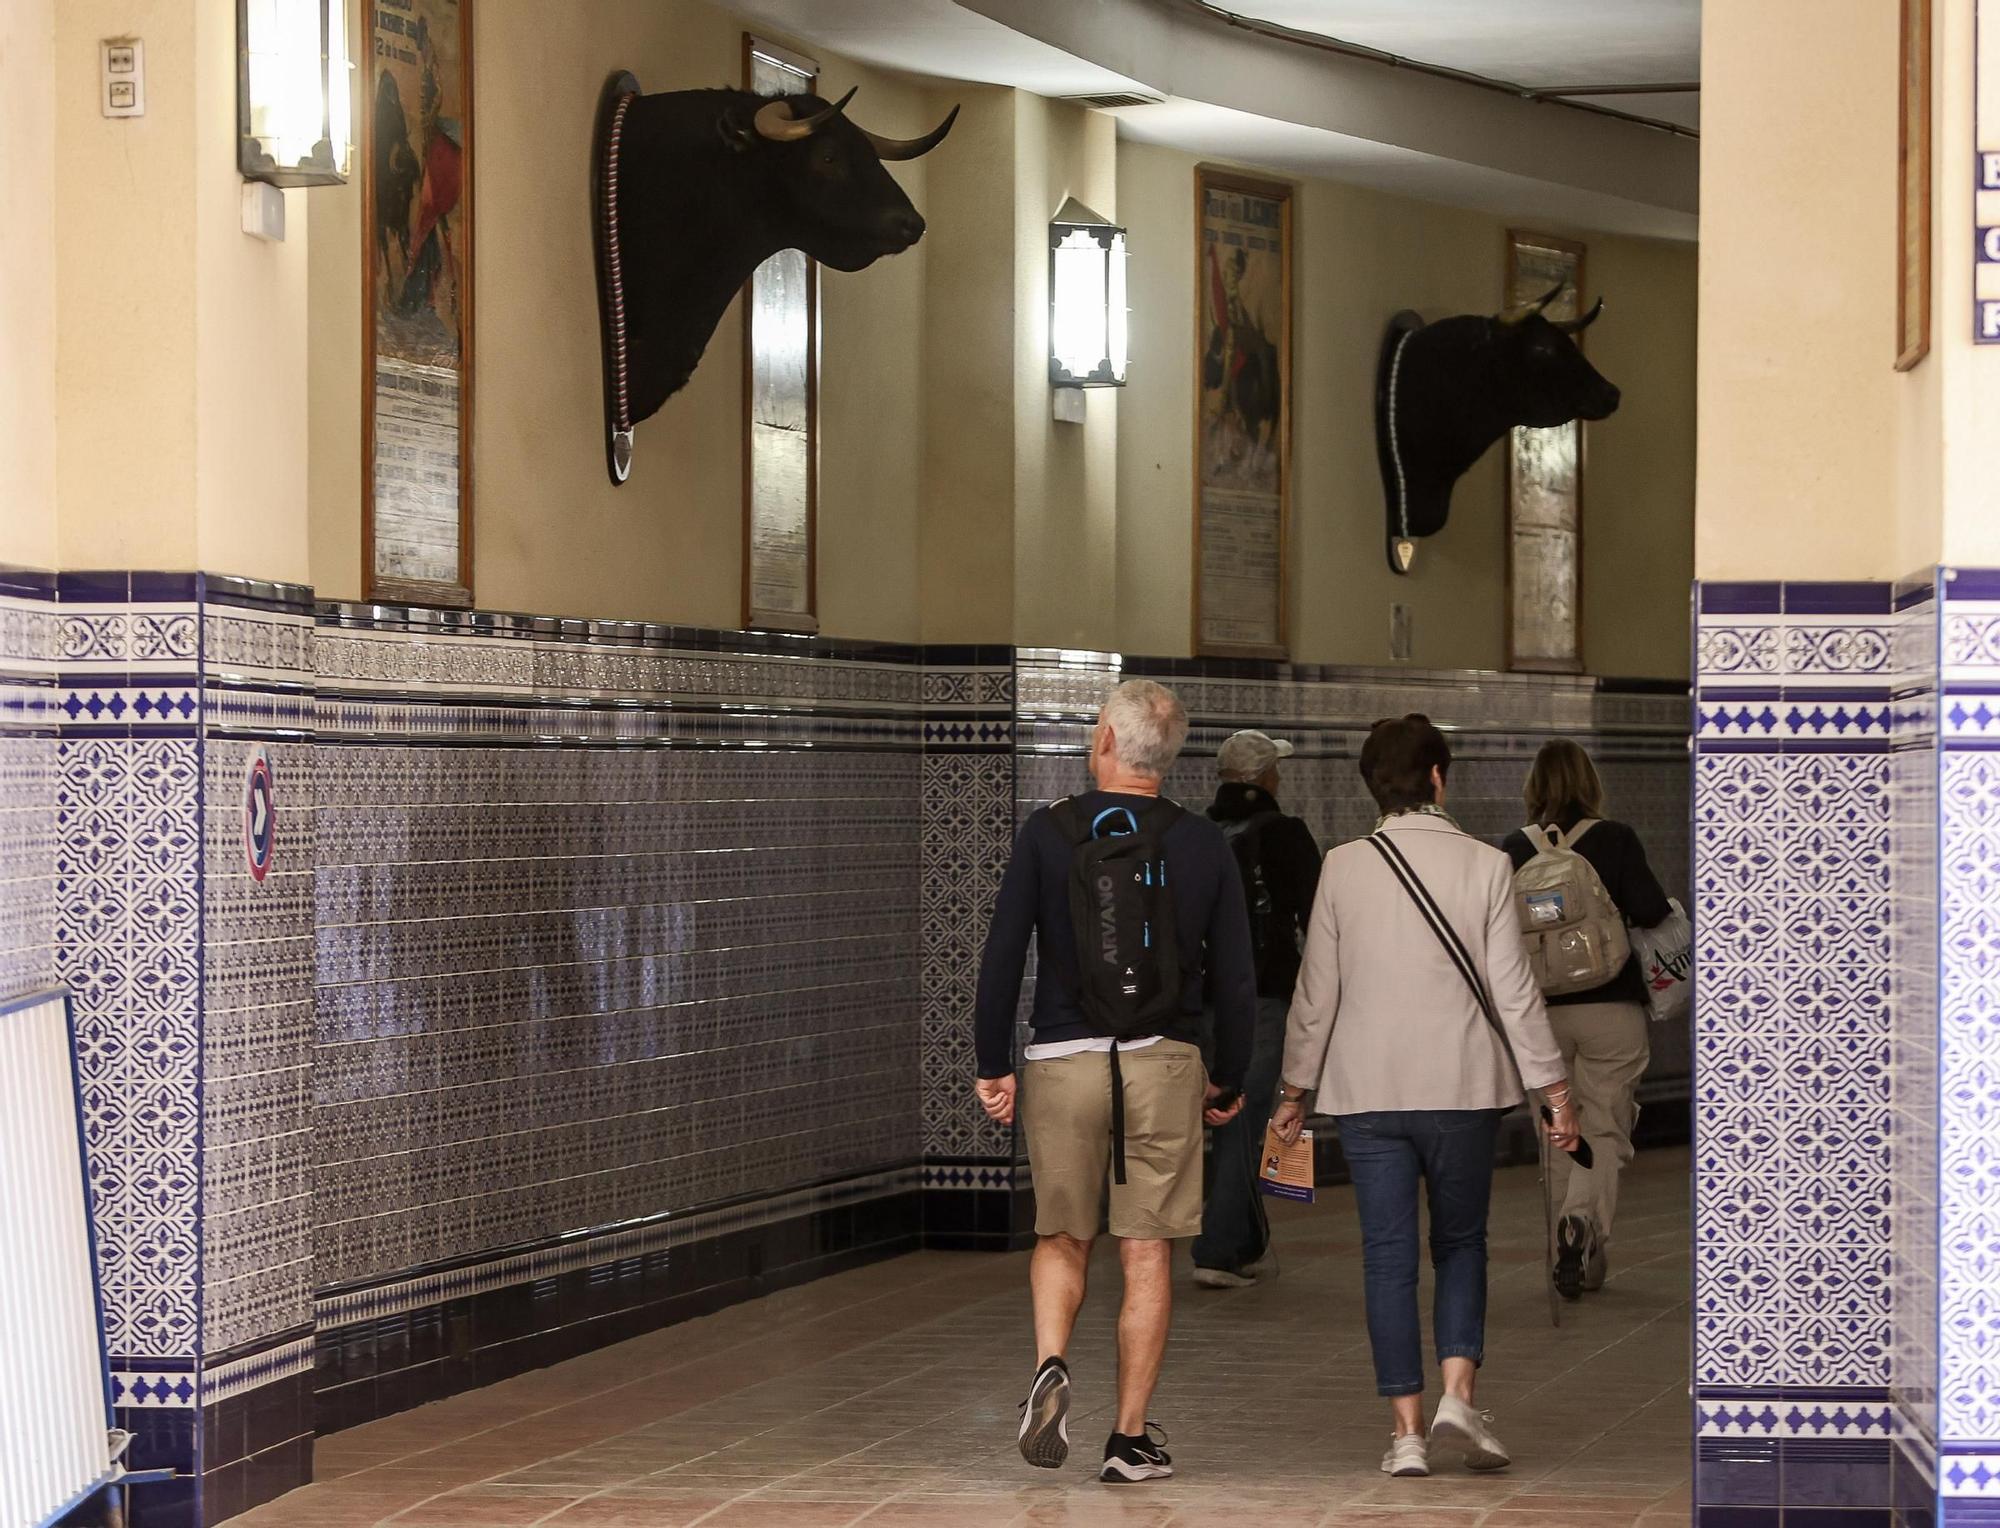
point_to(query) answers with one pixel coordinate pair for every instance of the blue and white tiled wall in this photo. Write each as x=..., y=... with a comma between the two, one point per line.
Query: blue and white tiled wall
x=1847, y=847
x=512, y=1037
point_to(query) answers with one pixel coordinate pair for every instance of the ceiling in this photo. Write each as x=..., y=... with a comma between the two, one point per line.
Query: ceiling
x=1094, y=48
x=1539, y=44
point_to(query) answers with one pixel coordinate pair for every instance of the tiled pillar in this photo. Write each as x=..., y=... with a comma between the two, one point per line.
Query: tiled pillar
x=1792, y=832
x=191, y=975
x=976, y=1193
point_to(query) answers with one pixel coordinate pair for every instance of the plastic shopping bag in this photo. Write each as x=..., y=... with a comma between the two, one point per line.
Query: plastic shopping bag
x=1666, y=961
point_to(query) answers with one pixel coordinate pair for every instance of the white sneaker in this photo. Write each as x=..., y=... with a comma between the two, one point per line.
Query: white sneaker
x=1458, y=1425
x=1408, y=1455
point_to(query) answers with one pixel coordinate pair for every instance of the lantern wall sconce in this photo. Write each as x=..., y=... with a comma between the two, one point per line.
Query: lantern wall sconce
x=294, y=92
x=1087, y=314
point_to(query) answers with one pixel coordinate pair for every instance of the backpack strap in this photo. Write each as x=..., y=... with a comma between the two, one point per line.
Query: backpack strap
x=1538, y=836
x=1579, y=830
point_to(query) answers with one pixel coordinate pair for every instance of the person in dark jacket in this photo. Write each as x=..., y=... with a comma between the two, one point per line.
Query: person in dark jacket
x=1280, y=865
x=1083, y=1103
x=1602, y=1031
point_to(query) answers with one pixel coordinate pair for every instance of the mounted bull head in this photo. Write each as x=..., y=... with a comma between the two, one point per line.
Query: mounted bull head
x=1444, y=392
x=693, y=190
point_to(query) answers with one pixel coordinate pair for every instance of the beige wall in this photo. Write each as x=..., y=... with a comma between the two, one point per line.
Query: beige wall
x=551, y=532
x=1798, y=460
x=1359, y=256
x=1065, y=483
x=27, y=284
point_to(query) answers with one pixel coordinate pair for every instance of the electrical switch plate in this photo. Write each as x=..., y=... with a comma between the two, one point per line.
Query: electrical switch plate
x=123, y=90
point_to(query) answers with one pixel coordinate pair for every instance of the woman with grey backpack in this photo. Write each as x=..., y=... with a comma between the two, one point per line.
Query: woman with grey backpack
x=1580, y=879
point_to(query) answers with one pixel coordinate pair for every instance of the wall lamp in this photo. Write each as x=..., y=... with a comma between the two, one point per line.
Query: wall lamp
x=294, y=105
x=1086, y=299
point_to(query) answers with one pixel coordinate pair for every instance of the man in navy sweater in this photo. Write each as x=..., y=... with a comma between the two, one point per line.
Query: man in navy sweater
x=1066, y=1098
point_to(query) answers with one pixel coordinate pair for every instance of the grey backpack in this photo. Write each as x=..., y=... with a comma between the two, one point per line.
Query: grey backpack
x=1573, y=931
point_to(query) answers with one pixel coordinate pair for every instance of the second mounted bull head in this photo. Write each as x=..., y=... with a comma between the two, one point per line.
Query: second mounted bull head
x=692, y=190
x=1444, y=392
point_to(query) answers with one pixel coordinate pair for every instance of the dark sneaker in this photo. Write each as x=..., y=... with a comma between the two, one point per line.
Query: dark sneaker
x=1044, y=1436
x=1129, y=1459
x=1573, y=1242
x=1265, y=1267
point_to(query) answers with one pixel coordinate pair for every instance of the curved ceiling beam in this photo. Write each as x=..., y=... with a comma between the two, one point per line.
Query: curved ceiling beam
x=1182, y=48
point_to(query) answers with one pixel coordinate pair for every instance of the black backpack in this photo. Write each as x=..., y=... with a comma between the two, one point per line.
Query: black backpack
x=1127, y=949
x=1122, y=909
x=1269, y=928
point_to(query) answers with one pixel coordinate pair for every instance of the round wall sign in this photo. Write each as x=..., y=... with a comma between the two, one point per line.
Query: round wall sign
x=260, y=815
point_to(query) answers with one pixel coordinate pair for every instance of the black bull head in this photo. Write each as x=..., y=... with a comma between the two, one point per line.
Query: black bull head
x=693, y=190
x=1446, y=391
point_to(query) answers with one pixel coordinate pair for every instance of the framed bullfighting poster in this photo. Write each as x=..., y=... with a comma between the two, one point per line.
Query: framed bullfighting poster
x=780, y=401
x=416, y=370
x=1545, y=484
x=1243, y=411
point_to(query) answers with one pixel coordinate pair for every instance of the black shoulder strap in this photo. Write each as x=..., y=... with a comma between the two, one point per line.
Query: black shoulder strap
x=1067, y=817
x=1440, y=925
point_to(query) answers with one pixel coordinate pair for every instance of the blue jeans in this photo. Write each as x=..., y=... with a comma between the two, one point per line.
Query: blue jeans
x=1452, y=1150
x=1234, y=1228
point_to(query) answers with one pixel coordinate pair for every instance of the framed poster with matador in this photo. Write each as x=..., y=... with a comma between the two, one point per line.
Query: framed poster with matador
x=1243, y=409
x=416, y=371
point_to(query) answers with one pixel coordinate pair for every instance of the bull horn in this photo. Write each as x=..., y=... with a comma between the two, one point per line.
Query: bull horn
x=910, y=148
x=775, y=121
x=1578, y=325
x=1522, y=310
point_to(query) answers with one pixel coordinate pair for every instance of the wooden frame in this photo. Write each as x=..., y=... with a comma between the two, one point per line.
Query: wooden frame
x=1207, y=643
x=457, y=237
x=1913, y=200
x=1517, y=239
x=806, y=622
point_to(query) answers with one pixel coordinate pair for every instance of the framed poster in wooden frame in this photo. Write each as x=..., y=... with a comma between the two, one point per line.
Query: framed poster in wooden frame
x=1243, y=415
x=1545, y=484
x=1913, y=200
x=780, y=402
x=416, y=303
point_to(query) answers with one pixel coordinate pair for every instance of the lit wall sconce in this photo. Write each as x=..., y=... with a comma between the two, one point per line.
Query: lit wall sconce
x=294, y=105
x=1086, y=299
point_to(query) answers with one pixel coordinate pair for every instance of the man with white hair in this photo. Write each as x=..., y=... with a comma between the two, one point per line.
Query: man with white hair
x=1136, y=908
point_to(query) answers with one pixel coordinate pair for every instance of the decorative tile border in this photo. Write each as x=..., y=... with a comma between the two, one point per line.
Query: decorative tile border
x=1793, y=1414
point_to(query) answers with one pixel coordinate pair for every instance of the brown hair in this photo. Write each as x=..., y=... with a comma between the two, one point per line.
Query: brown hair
x=1397, y=760
x=1563, y=780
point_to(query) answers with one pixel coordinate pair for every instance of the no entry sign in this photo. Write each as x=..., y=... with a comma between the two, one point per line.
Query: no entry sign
x=260, y=815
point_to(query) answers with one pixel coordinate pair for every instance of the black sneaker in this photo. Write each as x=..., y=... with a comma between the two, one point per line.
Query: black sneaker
x=1044, y=1436
x=1573, y=1243
x=1129, y=1459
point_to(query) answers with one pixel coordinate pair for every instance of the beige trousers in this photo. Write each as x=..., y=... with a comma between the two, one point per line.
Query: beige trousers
x=1605, y=1047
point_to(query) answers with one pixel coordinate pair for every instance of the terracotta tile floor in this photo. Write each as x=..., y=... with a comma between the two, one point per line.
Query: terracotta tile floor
x=887, y=1396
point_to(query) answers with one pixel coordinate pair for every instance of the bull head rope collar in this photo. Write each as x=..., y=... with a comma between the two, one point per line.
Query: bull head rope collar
x=1462, y=359
x=694, y=231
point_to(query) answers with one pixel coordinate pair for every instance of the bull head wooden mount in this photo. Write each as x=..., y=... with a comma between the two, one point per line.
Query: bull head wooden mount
x=1446, y=391
x=691, y=190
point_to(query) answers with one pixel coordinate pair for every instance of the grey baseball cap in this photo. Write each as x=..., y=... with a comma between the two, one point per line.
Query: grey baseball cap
x=1246, y=755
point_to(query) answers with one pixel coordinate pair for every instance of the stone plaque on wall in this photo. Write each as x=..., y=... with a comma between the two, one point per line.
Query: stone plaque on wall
x=780, y=400
x=1545, y=485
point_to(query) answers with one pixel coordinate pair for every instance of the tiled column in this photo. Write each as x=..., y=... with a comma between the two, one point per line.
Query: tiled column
x=1967, y=1092
x=976, y=1194
x=190, y=981
x=1792, y=1169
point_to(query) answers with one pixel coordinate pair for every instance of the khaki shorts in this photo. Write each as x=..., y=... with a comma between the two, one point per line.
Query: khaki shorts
x=1066, y=1109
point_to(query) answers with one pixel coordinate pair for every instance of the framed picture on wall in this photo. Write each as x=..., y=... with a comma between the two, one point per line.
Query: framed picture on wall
x=1545, y=485
x=1243, y=411
x=1913, y=203
x=780, y=402
x=416, y=298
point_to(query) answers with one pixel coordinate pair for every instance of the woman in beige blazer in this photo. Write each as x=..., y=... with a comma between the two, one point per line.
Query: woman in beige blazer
x=1387, y=1032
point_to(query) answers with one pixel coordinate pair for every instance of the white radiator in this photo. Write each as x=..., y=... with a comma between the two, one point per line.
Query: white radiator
x=54, y=1406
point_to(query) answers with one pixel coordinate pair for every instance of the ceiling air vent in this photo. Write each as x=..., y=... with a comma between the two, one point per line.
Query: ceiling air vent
x=1115, y=99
